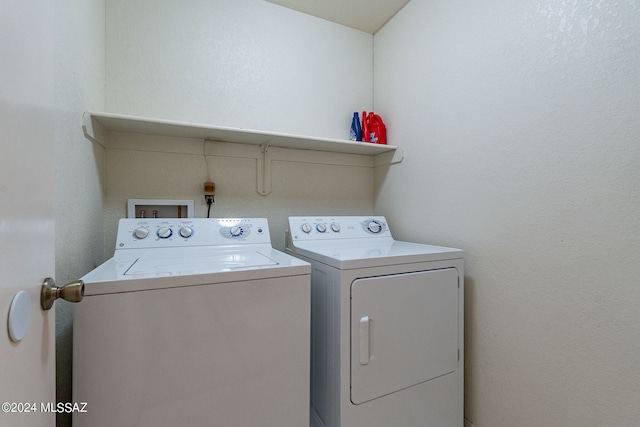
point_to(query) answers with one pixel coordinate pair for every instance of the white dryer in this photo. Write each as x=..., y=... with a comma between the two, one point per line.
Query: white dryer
x=193, y=322
x=386, y=325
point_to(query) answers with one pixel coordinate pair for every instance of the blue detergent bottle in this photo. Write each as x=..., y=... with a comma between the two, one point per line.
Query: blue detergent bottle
x=356, y=128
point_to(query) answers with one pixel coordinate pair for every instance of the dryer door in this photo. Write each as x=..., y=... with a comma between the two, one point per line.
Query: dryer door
x=404, y=331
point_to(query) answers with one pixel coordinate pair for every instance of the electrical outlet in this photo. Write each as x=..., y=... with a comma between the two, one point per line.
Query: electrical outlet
x=209, y=188
x=209, y=192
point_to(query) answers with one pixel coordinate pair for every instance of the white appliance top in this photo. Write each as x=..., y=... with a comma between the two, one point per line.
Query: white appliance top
x=160, y=253
x=347, y=242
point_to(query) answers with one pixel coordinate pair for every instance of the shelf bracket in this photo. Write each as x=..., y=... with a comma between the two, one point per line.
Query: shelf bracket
x=264, y=170
x=389, y=158
x=92, y=131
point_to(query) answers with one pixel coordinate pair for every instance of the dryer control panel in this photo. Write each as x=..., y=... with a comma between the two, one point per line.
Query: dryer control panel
x=180, y=232
x=337, y=227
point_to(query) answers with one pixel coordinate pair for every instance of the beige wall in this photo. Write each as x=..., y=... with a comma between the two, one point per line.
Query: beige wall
x=521, y=123
x=247, y=64
x=303, y=182
x=79, y=85
x=242, y=63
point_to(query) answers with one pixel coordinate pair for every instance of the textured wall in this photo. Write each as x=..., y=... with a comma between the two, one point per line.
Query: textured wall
x=241, y=63
x=247, y=64
x=521, y=123
x=303, y=182
x=79, y=85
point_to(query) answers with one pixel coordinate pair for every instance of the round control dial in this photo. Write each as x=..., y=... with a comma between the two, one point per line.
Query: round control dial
x=321, y=228
x=164, y=232
x=335, y=227
x=236, y=231
x=306, y=228
x=140, y=233
x=186, y=232
x=374, y=226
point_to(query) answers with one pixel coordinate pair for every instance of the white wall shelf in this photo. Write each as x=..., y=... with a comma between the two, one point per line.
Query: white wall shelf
x=133, y=124
x=96, y=125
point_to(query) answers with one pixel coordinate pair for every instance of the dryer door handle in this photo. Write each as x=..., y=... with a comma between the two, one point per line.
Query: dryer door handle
x=366, y=326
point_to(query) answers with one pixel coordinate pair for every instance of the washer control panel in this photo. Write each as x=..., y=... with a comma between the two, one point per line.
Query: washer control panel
x=339, y=227
x=174, y=232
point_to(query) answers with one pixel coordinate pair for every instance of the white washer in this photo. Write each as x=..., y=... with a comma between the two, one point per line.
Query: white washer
x=386, y=325
x=193, y=322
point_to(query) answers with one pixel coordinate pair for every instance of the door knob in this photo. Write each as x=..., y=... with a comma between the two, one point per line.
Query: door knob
x=72, y=292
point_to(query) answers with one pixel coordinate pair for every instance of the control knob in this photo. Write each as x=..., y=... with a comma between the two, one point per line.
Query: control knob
x=164, y=232
x=186, y=232
x=374, y=227
x=306, y=228
x=140, y=233
x=321, y=228
x=235, y=231
x=335, y=227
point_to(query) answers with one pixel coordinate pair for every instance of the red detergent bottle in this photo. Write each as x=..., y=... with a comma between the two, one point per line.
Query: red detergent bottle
x=377, y=129
x=365, y=127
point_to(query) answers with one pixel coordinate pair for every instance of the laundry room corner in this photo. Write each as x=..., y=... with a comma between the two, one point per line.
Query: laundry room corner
x=79, y=165
x=228, y=68
x=518, y=120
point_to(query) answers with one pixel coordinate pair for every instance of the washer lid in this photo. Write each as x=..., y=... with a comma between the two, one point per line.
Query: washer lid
x=360, y=253
x=147, y=269
x=198, y=264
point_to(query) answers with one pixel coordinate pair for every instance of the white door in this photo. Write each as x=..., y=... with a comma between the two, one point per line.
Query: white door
x=27, y=372
x=404, y=331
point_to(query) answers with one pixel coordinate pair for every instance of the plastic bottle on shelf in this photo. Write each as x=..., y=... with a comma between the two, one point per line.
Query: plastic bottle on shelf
x=377, y=129
x=365, y=127
x=356, y=130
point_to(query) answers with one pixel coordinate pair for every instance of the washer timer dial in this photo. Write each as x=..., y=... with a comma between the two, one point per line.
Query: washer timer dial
x=165, y=232
x=373, y=226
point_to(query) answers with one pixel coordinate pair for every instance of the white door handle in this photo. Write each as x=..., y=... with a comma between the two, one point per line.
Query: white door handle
x=365, y=340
